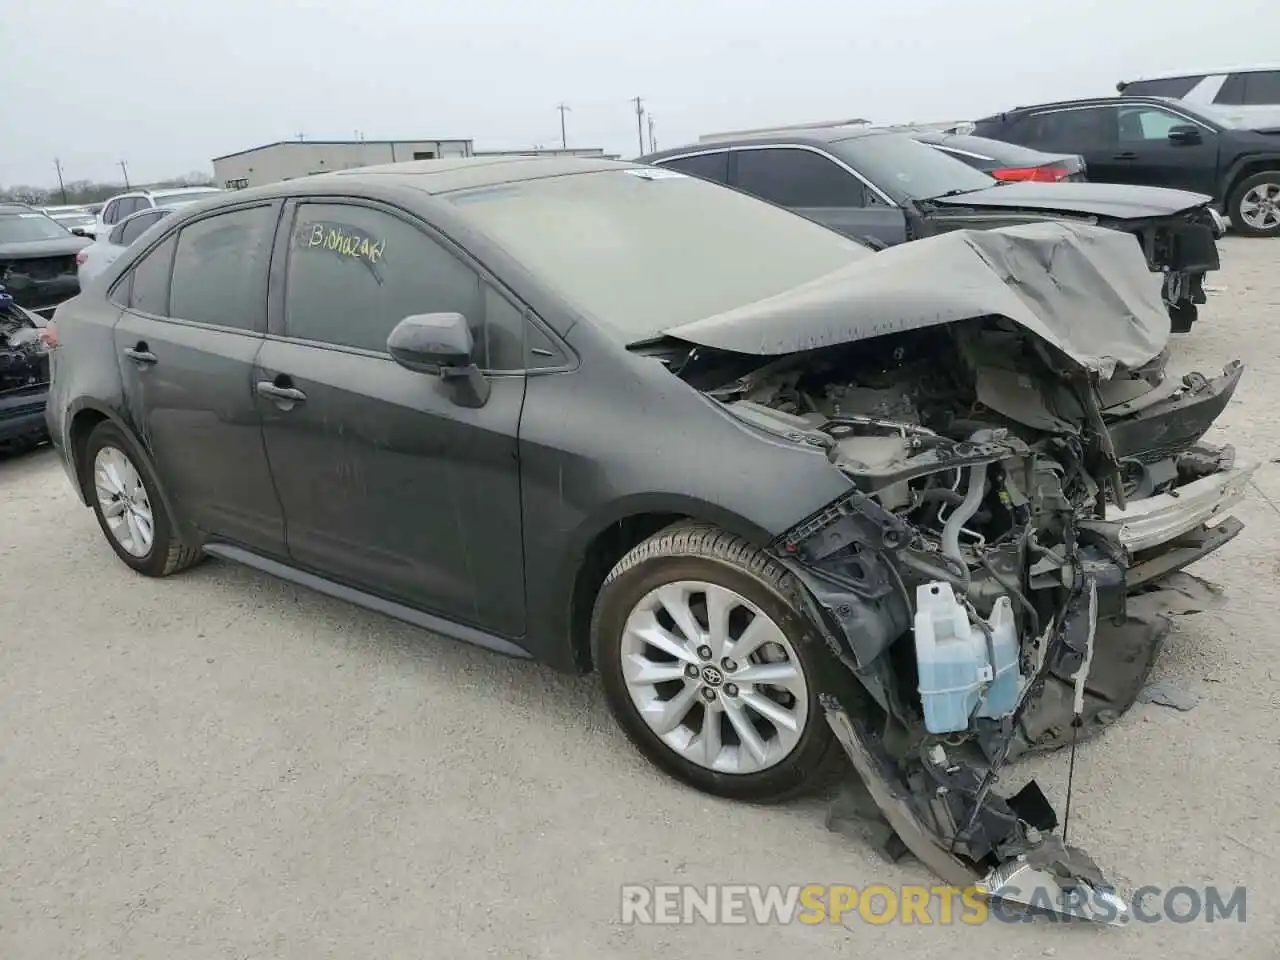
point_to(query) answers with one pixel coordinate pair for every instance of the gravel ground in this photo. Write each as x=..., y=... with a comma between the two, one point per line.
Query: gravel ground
x=223, y=765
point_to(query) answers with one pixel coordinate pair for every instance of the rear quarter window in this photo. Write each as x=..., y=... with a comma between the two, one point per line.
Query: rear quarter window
x=1176, y=87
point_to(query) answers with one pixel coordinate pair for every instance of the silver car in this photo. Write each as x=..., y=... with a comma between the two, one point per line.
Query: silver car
x=100, y=254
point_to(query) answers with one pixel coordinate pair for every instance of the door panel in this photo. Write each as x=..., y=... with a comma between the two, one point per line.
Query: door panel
x=887, y=224
x=196, y=412
x=389, y=486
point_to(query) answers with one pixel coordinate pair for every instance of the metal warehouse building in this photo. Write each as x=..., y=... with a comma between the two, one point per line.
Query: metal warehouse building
x=287, y=159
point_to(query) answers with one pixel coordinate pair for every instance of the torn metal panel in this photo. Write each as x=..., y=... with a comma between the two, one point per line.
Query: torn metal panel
x=1084, y=290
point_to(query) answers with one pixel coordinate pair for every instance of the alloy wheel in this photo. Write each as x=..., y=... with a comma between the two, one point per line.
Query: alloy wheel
x=1260, y=206
x=714, y=677
x=123, y=499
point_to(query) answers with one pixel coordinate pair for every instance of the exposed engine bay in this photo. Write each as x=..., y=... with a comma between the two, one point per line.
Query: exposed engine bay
x=999, y=577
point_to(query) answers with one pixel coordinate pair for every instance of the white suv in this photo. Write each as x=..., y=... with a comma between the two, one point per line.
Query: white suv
x=1247, y=94
x=121, y=205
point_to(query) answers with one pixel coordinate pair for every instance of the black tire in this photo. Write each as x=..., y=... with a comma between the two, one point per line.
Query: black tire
x=691, y=551
x=167, y=554
x=1237, y=198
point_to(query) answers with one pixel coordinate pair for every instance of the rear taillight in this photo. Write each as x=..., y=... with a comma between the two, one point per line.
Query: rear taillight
x=81, y=257
x=1049, y=173
x=49, y=336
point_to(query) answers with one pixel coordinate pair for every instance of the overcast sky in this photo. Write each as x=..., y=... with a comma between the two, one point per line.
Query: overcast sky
x=168, y=84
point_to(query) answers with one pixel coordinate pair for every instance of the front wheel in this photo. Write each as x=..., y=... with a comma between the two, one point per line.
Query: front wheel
x=710, y=668
x=1255, y=205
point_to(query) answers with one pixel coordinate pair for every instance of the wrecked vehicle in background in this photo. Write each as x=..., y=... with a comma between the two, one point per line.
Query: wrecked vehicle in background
x=882, y=185
x=792, y=499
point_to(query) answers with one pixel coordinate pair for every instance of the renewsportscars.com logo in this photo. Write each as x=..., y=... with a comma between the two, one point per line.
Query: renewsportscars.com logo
x=879, y=904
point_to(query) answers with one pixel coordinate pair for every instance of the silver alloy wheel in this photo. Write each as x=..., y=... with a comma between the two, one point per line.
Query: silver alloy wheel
x=124, y=501
x=1260, y=206
x=714, y=677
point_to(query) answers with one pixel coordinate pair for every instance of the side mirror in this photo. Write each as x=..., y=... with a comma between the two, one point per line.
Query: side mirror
x=1185, y=133
x=441, y=344
x=82, y=232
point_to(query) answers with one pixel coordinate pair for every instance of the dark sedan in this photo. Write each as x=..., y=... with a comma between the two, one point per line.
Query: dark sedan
x=614, y=417
x=37, y=257
x=883, y=186
x=1006, y=162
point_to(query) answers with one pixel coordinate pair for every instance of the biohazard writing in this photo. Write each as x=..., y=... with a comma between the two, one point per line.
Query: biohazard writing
x=342, y=241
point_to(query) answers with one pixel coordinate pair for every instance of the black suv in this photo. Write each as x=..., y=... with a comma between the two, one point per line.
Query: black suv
x=1159, y=142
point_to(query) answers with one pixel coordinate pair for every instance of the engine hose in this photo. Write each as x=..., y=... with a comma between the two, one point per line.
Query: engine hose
x=962, y=514
x=935, y=572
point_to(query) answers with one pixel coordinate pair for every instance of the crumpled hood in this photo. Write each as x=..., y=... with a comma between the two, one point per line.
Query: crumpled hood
x=1117, y=201
x=1084, y=289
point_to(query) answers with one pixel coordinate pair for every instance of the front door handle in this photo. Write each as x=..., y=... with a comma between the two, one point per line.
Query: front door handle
x=283, y=395
x=1125, y=156
x=139, y=354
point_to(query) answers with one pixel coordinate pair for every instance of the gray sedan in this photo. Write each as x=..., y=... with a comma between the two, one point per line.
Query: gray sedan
x=100, y=254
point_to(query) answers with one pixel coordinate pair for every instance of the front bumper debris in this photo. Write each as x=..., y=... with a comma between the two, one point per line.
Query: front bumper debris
x=1152, y=521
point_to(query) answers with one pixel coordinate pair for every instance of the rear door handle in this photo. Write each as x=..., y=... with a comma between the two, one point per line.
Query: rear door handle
x=1125, y=156
x=278, y=393
x=139, y=354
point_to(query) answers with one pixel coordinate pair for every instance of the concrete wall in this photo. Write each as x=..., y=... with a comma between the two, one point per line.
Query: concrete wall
x=291, y=159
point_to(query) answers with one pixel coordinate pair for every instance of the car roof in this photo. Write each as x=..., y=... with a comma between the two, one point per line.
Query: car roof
x=169, y=191
x=808, y=136
x=1218, y=71
x=1172, y=102
x=441, y=175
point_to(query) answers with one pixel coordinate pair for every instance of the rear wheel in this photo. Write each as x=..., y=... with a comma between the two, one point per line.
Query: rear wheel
x=126, y=501
x=1255, y=205
x=711, y=669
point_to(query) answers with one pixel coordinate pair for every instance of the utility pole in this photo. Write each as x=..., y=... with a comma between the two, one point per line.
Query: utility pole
x=61, y=186
x=564, y=141
x=301, y=137
x=653, y=144
x=639, y=120
x=125, y=171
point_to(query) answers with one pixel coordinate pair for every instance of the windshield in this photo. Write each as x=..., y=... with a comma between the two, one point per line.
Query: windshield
x=642, y=250
x=69, y=220
x=186, y=196
x=900, y=164
x=29, y=228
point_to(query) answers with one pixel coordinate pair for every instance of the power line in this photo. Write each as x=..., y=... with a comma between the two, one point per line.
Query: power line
x=564, y=141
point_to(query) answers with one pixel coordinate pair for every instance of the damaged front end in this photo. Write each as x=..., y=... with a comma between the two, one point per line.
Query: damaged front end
x=999, y=578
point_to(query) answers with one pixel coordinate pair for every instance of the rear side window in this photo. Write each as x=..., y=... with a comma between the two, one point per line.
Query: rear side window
x=1176, y=87
x=111, y=214
x=217, y=266
x=1250, y=89
x=354, y=273
x=149, y=289
x=1071, y=131
x=708, y=166
x=797, y=178
x=132, y=230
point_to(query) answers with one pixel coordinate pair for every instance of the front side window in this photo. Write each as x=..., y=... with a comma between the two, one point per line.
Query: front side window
x=1147, y=124
x=355, y=272
x=1260, y=88
x=797, y=178
x=217, y=266
x=708, y=166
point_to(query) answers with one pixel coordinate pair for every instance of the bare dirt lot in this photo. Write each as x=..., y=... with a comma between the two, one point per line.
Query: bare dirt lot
x=222, y=765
